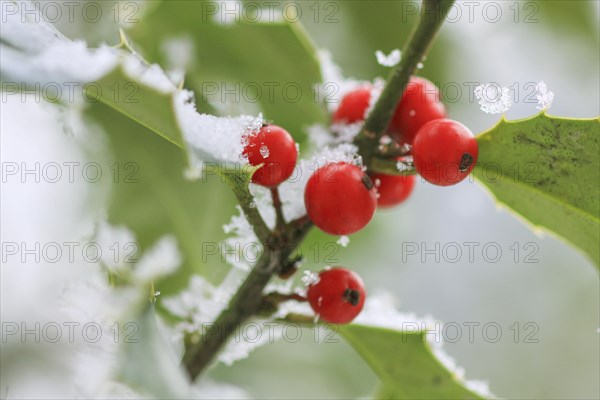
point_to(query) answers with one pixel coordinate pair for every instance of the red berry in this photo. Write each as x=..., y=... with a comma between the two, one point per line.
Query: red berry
x=338, y=296
x=444, y=152
x=274, y=147
x=353, y=106
x=340, y=198
x=392, y=189
x=420, y=104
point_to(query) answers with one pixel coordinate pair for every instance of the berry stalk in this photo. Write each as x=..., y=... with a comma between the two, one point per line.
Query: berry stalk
x=433, y=13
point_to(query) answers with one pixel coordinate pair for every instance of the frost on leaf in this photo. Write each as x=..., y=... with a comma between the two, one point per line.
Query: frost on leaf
x=160, y=260
x=380, y=310
x=210, y=138
x=543, y=96
x=243, y=248
x=106, y=236
x=493, y=98
x=310, y=278
x=33, y=49
x=389, y=60
x=201, y=302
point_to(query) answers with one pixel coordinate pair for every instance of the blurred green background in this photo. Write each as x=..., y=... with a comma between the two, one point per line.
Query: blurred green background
x=554, y=41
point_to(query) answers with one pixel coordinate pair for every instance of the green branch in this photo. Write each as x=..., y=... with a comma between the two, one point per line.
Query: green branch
x=433, y=13
x=238, y=181
x=247, y=302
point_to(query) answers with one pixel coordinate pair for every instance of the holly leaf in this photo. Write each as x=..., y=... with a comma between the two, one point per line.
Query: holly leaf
x=155, y=199
x=547, y=170
x=146, y=363
x=405, y=364
x=255, y=66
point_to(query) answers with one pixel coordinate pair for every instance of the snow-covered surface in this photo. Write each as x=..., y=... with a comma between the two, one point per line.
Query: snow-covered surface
x=37, y=54
x=380, y=310
x=211, y=138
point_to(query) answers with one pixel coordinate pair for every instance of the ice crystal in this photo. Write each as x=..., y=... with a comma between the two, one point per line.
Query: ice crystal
x=543, y=96
x=343, y=241
x=211, y=138
x=310, y=278
x=264, y=151
x=493, y=98
x=389, y=60
x=380, y=310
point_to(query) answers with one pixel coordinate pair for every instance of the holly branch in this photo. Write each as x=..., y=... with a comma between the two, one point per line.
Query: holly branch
x=280, y=243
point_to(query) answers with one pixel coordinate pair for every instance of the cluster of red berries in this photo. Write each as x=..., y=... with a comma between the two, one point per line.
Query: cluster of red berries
x=341, y=197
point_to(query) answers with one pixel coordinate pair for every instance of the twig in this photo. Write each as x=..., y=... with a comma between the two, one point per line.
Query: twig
x=432, y=16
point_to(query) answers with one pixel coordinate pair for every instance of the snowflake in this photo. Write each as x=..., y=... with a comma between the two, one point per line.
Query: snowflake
x=493, y=98
x=543, y=96
x=264, y=151
x=390, y=60
x=310, y=278
x=404, y=164
x=343, y=241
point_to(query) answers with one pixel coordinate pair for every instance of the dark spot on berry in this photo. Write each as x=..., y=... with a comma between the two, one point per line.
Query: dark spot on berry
x=437, y=380
x=352, y=296
x=465, y=162
x=367, y=182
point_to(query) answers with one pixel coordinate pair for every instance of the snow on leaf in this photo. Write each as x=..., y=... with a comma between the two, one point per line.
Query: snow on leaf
x=210, y=138
x=148, y=75
x=106, y=237
x=64, y=62
x=160, y=260
x=389, y=60
x=310, y=278
x=493, y=98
